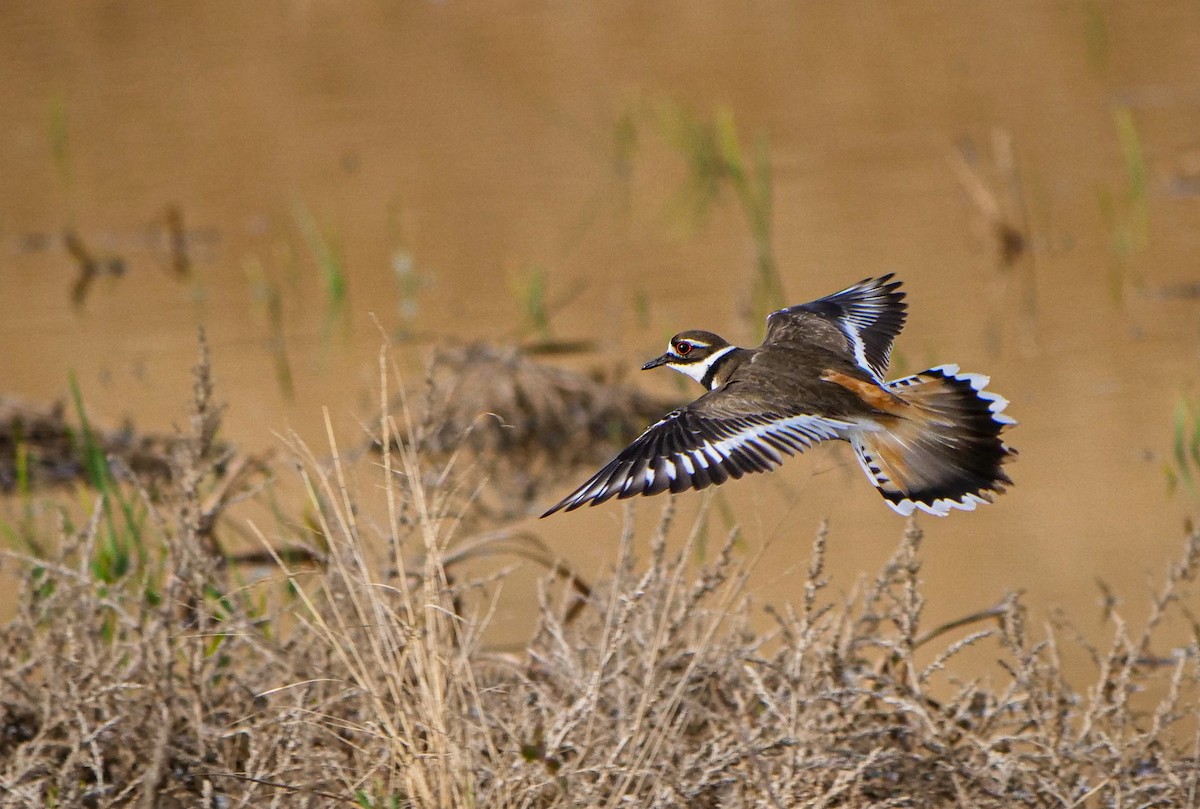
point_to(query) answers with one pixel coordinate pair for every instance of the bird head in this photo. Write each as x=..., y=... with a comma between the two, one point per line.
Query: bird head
x=692, y=353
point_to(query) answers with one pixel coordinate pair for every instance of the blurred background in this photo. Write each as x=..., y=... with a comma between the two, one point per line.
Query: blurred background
x=307, y=179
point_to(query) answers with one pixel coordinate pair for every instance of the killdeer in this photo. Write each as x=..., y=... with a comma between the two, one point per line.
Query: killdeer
x=930, y=441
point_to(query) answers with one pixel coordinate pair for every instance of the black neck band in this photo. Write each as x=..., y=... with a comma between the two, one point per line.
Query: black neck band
x=711, y=373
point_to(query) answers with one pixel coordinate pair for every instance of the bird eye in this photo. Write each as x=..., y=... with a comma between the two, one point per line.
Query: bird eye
x=683, y=348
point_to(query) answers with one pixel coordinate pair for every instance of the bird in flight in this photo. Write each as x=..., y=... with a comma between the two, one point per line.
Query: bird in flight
x=930, y=441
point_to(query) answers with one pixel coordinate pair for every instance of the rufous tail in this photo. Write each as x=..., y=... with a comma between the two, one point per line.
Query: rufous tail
x=941, y=449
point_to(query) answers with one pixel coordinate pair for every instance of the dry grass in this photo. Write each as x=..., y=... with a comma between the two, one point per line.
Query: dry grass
x=371, y=685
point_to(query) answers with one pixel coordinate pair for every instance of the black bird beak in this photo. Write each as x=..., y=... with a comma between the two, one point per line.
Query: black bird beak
x=657, y=361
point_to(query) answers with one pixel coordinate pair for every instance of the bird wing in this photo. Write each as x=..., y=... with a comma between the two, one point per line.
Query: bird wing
x=694, y=447
x=869, y=314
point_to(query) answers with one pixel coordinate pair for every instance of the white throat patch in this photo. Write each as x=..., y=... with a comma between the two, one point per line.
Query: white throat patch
x=698, y=370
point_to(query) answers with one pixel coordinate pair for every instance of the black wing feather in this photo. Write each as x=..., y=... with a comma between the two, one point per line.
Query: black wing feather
x=870, y=314
x=691, y=450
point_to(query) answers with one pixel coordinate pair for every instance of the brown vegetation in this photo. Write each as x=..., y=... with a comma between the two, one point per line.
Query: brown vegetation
x=520, y=422
x=40, y=448
x=366, y=682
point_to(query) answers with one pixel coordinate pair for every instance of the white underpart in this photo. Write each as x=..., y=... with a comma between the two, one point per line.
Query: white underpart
x=698, y=370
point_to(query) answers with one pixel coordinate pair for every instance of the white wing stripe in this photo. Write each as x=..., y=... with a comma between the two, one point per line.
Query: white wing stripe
x=746, y=444
x=860, y=350
x=804, y=427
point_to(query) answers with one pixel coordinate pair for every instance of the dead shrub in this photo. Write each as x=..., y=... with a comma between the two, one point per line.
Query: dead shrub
x=178, y=684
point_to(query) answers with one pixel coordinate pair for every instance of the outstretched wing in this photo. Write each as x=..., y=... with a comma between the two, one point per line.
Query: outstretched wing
x=870, y=314
x=689, y=449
